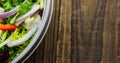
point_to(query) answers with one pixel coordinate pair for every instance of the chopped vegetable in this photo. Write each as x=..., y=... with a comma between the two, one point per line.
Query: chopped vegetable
x=7, y=14
x=8, y=27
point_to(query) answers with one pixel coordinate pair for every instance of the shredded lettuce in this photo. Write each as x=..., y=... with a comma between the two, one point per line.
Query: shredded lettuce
x=18, y=33
x=3, y=35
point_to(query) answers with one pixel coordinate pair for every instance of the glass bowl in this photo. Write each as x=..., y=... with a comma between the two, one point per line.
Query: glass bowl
x=39, y=35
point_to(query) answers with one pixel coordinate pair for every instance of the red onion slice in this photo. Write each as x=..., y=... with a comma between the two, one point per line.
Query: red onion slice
x=9, y=13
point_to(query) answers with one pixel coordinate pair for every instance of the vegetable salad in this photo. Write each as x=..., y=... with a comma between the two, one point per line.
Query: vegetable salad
x=18, y=24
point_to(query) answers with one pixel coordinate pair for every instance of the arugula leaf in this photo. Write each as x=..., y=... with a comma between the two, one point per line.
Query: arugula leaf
x=3, y=35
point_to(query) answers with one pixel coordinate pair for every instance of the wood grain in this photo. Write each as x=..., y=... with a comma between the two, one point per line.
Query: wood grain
x=81, y=31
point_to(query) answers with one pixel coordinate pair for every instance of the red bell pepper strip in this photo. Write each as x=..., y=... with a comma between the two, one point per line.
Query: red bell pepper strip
x=8, y=27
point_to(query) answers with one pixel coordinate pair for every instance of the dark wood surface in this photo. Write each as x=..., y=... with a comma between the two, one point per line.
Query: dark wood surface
x=81, y=31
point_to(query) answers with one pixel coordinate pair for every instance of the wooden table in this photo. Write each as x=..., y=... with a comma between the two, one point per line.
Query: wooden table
x=81, y=31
